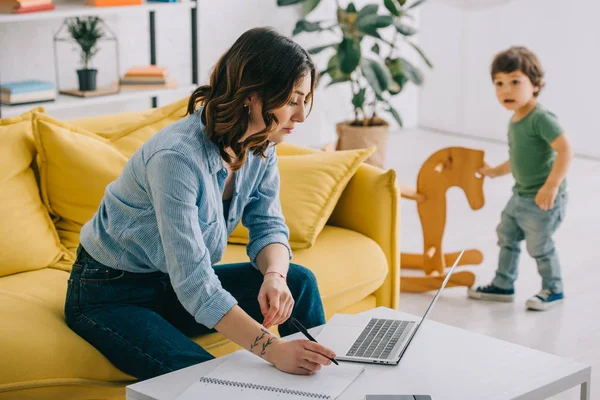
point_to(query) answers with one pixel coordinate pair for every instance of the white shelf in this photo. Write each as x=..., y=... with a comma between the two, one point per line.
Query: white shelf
x=78, y=10
x=70, y=102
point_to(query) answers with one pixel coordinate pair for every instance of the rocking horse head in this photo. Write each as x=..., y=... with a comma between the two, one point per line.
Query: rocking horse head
x=453, y=166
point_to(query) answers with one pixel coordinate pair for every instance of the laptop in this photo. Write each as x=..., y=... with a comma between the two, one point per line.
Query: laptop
x=373, y=340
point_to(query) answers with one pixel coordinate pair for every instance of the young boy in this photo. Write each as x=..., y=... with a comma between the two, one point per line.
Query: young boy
x=539, y=156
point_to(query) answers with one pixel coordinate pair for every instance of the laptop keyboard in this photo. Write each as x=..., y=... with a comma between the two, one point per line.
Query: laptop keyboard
x=378, y=338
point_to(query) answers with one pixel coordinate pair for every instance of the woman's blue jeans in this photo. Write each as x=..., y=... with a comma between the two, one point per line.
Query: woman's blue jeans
x=136, y=321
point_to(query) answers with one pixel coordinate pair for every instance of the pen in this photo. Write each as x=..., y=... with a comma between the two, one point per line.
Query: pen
x=302, y=329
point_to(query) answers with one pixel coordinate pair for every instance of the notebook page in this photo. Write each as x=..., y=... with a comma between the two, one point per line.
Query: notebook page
x=243, y=366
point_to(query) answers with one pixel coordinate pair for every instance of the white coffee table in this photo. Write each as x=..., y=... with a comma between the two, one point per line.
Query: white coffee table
x=444, y=362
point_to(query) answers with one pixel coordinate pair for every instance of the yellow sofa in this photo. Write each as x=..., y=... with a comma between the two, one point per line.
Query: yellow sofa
x=355, y=259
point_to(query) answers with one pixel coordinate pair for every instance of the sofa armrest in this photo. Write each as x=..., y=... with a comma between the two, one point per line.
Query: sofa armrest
x=370, y=205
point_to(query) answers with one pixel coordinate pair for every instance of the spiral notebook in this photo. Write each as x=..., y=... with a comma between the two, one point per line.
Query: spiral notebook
x=245, y=376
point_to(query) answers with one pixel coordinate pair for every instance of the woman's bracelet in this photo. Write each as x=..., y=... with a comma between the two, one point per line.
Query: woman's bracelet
x=278, y=273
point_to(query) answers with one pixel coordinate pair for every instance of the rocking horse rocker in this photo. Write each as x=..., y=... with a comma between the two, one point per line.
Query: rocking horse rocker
x=453, y=166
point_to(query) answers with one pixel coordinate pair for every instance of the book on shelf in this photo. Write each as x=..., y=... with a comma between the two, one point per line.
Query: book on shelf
x=25, y=6
x=147, y=77
x=112, y=3
x=28, y=91
x=25, y=86
x=150, y=70
x=169, y=84
x=140, y=79
x=25, y=98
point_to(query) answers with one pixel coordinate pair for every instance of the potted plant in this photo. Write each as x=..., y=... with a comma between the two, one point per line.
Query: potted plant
x=375, y=71
x=86, y=31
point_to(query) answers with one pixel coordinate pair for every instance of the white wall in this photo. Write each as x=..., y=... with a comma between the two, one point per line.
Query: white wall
x=26, y=52
x=458, y=95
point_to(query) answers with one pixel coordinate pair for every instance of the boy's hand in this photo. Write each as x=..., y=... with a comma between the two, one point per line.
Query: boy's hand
x=545, y=197
x=488, y=170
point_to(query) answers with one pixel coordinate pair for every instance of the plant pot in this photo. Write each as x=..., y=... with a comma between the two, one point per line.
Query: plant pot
x=359, y=137
x=87, y=79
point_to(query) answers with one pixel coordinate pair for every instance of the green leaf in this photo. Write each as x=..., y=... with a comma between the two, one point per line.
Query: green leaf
x=416, y=4
x=400, y=80
x=373, y=33
x=375, y=75
x=310, y=5
x=369, y=23
x=368, y=10
x=404, y=29
x=333, y=68
x=359, y=98
x=326, y=71
x=282, y=3
x=411, y=72
x=402, y=2
x=339, y=80
x=351, y=8
x=317, y=50
x=384, y=21
x=395, y=114
x=389, y=4
x=348, y=55
x=394, y=87
x=306, y=26
x=423, y=56
x=395, y=69
x=375, y=48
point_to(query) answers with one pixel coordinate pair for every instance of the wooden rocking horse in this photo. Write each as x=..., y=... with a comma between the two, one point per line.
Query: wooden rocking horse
x=453, y=166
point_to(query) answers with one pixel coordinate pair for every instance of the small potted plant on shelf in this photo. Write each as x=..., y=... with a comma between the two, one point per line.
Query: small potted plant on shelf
x=86, y=32
x=374, y=68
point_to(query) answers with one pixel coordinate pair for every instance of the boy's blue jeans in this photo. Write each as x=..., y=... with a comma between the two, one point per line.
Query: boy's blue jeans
x=521, y=220
x=137, y=322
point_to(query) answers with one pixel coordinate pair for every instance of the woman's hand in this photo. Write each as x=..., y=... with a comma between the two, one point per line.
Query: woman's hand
x=301, y=356
x=275, y=300
x=545, y=197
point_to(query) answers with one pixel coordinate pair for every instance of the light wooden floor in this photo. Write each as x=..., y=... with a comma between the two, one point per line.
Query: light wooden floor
x=573, y=329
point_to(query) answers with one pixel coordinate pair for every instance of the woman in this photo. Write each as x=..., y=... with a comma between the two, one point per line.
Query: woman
x=145, y=278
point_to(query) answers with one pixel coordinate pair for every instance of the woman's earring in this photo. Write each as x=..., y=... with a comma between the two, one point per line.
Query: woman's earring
x=248, y=107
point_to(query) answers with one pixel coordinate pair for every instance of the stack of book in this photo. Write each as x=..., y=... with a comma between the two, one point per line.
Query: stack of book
x=150, y=77
x=25, y=6
x=24, y=92
x=111, y=3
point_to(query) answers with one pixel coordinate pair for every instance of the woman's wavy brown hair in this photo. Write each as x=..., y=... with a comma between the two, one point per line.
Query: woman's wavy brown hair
x=263, y=62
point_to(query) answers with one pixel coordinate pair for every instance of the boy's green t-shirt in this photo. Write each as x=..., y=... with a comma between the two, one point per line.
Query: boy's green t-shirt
x=531, y=156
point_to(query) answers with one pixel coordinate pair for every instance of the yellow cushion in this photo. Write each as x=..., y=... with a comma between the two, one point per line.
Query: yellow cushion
x=348, y=266
x=75, y=167
x=72, y=187
x=311, y=185
x=28, y=240
x=128, y=131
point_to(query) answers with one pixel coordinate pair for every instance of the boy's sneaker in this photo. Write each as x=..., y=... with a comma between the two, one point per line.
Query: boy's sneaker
x=544, y=300
x=492, y=293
